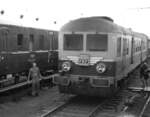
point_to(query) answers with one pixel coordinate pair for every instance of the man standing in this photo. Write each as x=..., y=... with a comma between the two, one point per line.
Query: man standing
x=144, y=74
x=35, y=75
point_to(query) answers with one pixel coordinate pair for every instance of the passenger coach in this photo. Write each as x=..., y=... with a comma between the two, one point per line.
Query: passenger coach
x=19, y=47
x=95, y=55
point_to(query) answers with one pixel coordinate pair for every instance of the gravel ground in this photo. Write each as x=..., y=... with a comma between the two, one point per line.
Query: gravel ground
x=30, y=106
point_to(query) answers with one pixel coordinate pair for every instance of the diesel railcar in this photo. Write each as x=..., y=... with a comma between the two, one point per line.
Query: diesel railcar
x=19, y=47
x=96, y=55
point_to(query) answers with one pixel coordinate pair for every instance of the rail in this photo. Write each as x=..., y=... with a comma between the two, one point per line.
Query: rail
x=145, y=105
x=49, y=113
x=25, y=83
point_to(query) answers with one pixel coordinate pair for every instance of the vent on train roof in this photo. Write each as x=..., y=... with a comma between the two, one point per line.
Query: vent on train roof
x=104, y=17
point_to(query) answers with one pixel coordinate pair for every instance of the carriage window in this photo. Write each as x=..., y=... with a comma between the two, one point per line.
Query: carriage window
x=41, y=42
x=73, y=42
x=20, y=39
x=31, y=41
x=119, y=47
x=97, y=42
x=125, y=46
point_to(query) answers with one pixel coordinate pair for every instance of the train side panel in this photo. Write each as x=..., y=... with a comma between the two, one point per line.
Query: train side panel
x=129, y=55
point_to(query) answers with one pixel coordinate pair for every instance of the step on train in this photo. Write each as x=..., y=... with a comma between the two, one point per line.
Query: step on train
x=19, y=47
x=96, y=55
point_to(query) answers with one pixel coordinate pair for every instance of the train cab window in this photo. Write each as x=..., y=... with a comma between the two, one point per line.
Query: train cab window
x=20, y=39
x=97, y=42
x=31, y=41
x=119, y=47
x=73, y=42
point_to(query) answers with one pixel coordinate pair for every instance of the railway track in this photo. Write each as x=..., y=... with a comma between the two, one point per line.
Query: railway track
x=144, y=107
x=88, y=107
x=14, y=95
x=117, y=105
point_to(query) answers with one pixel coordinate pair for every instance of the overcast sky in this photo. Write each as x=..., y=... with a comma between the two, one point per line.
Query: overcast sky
x=128, y=13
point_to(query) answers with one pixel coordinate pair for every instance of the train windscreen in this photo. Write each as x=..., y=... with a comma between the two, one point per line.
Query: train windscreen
x=73, y=42
x=97, y=42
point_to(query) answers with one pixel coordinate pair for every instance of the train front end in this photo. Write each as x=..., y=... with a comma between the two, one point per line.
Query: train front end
x=86, y=61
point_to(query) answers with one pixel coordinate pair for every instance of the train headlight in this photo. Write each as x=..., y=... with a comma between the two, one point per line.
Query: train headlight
x=66, y=66
x=101, y=67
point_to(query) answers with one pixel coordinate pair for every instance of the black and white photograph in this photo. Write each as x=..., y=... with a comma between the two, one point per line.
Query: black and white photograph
x=74, y=58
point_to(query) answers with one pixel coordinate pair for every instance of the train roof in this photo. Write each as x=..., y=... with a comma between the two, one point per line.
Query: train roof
x=98, y=24
x=5, y=23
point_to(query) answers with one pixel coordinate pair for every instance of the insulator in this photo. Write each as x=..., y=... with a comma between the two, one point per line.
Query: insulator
x=2, y=12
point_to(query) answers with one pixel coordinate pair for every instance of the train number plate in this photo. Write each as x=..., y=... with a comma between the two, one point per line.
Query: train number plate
x=84, y=60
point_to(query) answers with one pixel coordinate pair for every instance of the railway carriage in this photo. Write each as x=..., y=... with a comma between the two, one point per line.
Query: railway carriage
x=96, y=55
x=19, y=47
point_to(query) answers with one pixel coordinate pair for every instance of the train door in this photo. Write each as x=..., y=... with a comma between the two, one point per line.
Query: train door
x=132, y=49
x=51, y=40
x=3, y=41
x=124, y=54
x=3, y=51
